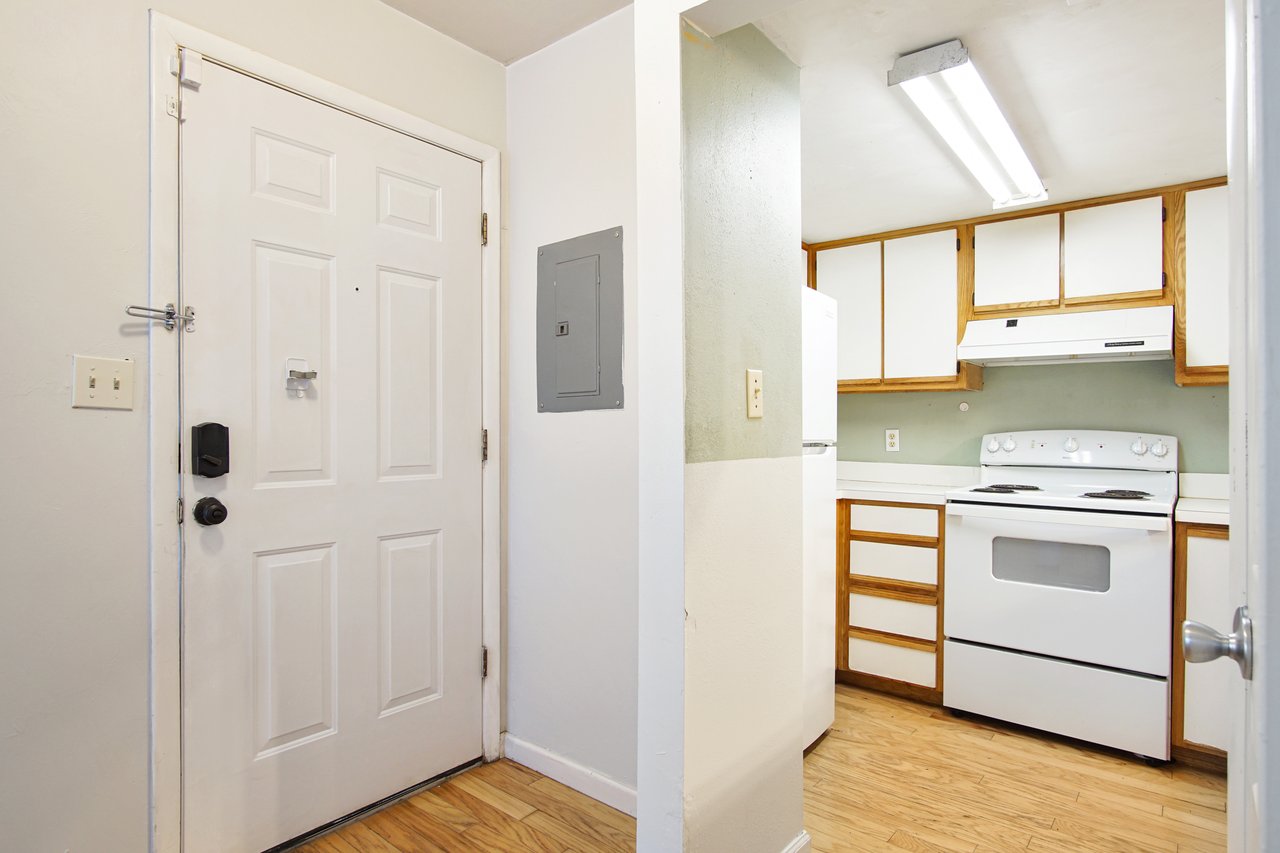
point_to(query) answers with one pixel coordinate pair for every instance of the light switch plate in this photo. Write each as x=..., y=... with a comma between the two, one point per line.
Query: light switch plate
x=101, y=383
x=755, y=393
x=892, y=440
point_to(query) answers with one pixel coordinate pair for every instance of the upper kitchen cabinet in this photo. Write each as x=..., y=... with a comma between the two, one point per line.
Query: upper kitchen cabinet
x=906, y=296
x=920, y=313
x=1016, y=263
x=1113, y=252
x=1201, y=339
x=899, y=303
x=851, y=276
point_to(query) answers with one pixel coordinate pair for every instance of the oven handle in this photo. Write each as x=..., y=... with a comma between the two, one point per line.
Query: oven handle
x=1156, y=523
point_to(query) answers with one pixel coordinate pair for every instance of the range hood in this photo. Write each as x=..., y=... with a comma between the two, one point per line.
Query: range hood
x=1141, y=334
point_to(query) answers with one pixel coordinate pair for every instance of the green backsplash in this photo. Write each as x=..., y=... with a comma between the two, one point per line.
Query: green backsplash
x=1133, y=397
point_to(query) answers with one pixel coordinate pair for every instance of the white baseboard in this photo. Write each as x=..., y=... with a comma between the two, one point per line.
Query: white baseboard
x=595, y=785
x=802, y=843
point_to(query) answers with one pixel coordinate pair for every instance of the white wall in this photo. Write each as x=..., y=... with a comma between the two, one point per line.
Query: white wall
x=572, y=534
x=743, y=776
x=74, y=611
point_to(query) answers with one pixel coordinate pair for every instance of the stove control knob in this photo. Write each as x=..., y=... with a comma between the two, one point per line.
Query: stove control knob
x=993, y=445
x=1159, y=449
x=1071, y=445
x=1139, y=447
x=1009, y=445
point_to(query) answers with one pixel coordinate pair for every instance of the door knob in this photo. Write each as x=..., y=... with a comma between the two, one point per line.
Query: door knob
x=1201, y=644
x=209, y=511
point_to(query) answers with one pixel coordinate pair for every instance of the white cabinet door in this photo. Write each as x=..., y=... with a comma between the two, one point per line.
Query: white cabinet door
x=920, y=291
x=1207, y=689
x=852, y=276
x=1205, y=302
x=1017, y=261
x=1113, y=248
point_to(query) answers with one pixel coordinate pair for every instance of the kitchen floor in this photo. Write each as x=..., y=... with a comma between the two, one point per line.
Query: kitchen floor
x=891, y=775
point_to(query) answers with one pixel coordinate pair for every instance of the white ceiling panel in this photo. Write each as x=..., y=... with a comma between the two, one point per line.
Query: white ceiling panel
x=507, y=30
x=1105, y=95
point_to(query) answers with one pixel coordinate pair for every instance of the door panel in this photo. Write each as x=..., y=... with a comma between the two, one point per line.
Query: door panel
x=920, y=308
x=1113, y=249
x=1017, y=262
x=331, y=652
x=851, y=276
x=1127, y=613
x=1205, y=307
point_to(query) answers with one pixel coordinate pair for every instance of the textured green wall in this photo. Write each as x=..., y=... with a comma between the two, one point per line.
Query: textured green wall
x=1138, y=397
x=741, y=99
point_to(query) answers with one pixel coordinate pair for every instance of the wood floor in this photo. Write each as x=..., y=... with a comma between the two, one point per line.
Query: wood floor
x=896, y=775
x=892, y=775
x=499, y=807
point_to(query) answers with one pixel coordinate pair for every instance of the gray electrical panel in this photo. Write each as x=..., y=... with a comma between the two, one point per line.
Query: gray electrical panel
x=580, y=323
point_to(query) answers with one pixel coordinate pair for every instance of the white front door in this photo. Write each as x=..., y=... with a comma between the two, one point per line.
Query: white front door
x=1253, y=70
x=331, y=625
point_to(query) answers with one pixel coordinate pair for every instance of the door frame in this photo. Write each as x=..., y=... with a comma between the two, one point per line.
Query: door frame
x=166, y=37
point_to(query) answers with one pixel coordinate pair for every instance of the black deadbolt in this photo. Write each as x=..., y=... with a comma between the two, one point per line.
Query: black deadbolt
x=209, y=511
x=210, y=450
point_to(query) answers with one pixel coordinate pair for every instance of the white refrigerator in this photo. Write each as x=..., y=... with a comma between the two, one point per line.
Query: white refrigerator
x=818, y=402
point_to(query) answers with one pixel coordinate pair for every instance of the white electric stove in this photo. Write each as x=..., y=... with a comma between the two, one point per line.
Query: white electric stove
x=1058, y=586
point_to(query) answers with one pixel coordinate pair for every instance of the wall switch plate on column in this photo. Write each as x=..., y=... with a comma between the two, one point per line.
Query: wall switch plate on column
x=755, y=393
x=101, y=383
x=891, y=441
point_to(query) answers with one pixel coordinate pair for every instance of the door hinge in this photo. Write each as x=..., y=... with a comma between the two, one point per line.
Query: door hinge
x=1164, y=214
x=484, y=661
x=484, y=445
x=181, y=506
x=484, y=229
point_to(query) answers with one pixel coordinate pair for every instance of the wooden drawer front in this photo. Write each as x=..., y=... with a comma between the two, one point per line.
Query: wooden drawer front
x=901, y=664
x=907, y=521
x=896, y=562
x=893, y=616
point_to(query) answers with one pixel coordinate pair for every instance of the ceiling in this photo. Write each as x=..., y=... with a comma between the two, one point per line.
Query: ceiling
x=507, y=30
x=1105, y=95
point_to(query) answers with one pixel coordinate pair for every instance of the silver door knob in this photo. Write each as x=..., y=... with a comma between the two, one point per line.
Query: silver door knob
x=1201, y=644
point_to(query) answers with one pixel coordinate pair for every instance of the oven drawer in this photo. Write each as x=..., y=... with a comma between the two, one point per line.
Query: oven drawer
x=914, y=666
x=905, y=618
x=896, y=562
x=1117, y=709
x=904, y=521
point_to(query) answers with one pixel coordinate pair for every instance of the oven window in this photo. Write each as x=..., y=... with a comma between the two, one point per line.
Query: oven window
x=1062, y=564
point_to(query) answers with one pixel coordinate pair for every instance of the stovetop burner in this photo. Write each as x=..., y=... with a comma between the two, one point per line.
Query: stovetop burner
x=1005, y=489
x=1118, y=495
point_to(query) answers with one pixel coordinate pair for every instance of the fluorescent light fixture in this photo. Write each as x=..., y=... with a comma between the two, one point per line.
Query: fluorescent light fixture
x=944, y=85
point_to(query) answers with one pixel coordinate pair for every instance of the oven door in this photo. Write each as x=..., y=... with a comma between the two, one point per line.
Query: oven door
x=1082, y=586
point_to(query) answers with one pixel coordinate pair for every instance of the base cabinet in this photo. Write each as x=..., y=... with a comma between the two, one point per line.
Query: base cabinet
x=1202, y=692
x=889, y=597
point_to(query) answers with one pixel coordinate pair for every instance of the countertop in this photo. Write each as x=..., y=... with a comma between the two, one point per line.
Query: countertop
x=1204, y=496
x=1203, y=510
x=911, y=493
